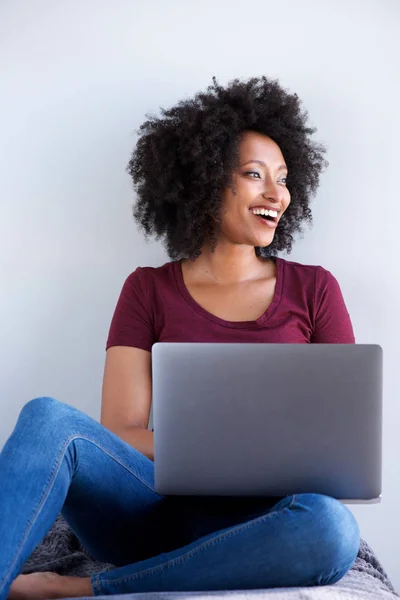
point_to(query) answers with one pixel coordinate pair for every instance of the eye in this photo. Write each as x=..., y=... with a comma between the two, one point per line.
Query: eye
x=283, y=180
x=253, y=173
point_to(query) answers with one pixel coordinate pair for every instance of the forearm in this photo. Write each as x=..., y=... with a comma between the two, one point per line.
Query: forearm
x=139, y=438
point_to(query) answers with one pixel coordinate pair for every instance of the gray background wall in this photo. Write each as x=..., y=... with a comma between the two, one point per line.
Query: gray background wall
x=78, y=77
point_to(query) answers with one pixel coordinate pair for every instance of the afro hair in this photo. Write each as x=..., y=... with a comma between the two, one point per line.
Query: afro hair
x=184, y=158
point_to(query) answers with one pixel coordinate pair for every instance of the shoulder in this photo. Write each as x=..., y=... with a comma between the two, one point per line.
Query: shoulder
x=150, y=286
x=313, y=283
x=306, y=274
x=145, y=276
x=319, y=289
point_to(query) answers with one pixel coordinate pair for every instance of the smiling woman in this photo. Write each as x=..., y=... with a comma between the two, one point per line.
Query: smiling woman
x=225, y=180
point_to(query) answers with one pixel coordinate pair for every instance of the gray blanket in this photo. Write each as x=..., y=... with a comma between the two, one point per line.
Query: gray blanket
x=61, y=552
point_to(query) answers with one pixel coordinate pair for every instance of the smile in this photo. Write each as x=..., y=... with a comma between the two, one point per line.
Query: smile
x=266, y=217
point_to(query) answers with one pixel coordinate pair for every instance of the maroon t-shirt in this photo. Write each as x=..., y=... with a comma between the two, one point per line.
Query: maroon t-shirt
x=155, y=306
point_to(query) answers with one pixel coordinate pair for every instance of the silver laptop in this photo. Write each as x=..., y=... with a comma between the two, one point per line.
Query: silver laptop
x=243, y=419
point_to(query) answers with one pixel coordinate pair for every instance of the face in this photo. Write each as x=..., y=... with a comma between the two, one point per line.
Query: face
x=259, y=183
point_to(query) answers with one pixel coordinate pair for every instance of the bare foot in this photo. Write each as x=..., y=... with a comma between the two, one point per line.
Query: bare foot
x=42, y=586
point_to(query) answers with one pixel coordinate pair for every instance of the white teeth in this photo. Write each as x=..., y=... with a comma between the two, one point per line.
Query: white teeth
x=264, y=211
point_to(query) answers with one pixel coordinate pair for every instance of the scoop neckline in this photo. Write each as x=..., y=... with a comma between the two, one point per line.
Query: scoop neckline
x=233, y=324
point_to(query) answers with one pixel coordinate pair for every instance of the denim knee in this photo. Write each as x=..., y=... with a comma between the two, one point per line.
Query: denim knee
x=46, y=412
x=336, y=535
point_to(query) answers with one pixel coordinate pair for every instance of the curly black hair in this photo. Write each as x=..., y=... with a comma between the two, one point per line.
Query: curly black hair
x=184, y=158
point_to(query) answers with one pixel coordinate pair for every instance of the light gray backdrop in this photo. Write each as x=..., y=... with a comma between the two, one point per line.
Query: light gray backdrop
x=78, y=77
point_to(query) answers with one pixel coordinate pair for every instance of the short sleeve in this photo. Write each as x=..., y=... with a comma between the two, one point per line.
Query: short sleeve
x=132, y=323
x=332, y=324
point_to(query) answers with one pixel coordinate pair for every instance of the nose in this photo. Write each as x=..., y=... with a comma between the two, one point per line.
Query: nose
x=272, y=191
x=272, y=195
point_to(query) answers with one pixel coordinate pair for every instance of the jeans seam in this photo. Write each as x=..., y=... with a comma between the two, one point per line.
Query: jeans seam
x=94, y=580
x=209, y=543
x=122, y=464
x=49, y=484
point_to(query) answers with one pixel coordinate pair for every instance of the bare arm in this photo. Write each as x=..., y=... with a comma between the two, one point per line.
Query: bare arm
x=126, y=397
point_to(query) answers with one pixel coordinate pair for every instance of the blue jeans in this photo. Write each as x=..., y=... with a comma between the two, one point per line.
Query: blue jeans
x=58, y=459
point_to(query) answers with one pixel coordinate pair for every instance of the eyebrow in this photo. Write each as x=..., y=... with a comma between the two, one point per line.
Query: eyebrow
x=260, y=162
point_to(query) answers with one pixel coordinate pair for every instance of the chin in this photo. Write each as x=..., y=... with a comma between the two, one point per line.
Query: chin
x=251, y=238
x=264, y=241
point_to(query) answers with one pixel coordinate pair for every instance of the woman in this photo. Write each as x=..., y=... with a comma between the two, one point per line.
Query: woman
x=225, y=179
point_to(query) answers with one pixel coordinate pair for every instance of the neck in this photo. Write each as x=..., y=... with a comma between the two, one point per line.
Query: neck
x=228, y=263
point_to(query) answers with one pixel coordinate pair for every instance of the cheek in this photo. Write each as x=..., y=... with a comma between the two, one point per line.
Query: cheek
x=229, y=222
x=232, y=203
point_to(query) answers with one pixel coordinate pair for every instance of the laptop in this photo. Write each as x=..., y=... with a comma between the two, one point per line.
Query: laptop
x=238, y=419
